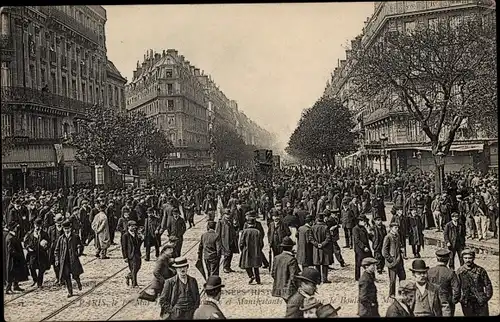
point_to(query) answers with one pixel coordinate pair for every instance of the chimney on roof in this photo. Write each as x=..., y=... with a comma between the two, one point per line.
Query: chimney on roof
x=163, y=54
x=182, y=58
x=203, y=73
x=197, y=72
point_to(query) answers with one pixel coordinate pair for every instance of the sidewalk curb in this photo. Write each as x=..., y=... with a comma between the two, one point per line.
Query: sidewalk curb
x=479, y=249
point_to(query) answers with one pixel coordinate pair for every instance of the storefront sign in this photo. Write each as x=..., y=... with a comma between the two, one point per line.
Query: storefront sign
x=7, y=166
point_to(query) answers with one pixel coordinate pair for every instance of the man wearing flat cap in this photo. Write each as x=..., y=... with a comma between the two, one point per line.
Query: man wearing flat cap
x=445, y=278
x=307, y=283
x=360, y=237
x=180, y=296
x=403, y=304
x=429, y=299
x=37, y=244
x=368, y=304
x=131, y=251
x=476, y=288
x=209, y=309
x=391, y=251
x=285, y=267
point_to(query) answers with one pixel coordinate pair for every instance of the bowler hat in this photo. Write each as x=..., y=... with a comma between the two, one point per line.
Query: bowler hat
x=362, y=217
x=443, y=253
x=287, y=242
x=418, y=265
x=66, y=224
x=368, y=261
x=454, y=214
x=38, y=221
x=180, y=262
x=213, y=282
x=309, y=303
x=327, y=311
x=311, y=275
x=309, y=217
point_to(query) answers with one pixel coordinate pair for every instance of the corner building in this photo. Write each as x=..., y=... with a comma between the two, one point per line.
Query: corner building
x=407, y=148
x=53, y=65
x=166, y=88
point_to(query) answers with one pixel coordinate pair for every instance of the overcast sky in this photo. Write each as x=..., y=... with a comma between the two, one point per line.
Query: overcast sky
x=273, y=59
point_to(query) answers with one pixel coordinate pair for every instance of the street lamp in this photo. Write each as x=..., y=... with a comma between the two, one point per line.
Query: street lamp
x=440, y=173
x=24, y=169
x=383, y=140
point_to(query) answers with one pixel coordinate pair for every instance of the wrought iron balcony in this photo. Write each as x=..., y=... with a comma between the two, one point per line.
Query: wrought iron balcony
x=62, y=17
x=21, y=95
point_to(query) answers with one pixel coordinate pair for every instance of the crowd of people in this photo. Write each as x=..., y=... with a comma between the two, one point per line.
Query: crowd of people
x=301, y=209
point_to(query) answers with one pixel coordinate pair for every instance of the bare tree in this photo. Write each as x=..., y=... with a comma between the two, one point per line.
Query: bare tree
x=442, y=75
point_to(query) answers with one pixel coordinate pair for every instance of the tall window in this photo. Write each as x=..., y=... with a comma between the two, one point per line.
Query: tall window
x=64, y=86
x=171, y=120
x=170, y=105
x=170, y=89
x=91, y=94
x=409, y=26
x=53, y=82
x=6, y=124
x=33, y=76
x=84, y=92
x=73, y=89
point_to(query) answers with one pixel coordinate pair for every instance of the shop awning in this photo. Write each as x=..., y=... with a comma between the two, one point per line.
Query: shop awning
x=454, y=147
x=114, y=166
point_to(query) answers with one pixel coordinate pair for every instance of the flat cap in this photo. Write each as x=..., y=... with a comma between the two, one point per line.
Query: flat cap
x=407, y=285
x=394, y=223
x=468, y=251
x=132, y=223
x=368, y=261
x=443, y=253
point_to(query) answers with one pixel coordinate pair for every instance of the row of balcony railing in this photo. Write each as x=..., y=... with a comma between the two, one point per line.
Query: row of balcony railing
x=24, y=95
x=71, y=22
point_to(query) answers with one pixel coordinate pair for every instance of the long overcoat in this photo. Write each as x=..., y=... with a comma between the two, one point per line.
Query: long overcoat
x=100, y=226
x=347, y=218
x=228, y=236
x=368, y=304
x=285, y=267
x=37, y=256
x=15, y=268
x=415, y=231
x=73, y=248
x=304, y=247
x=251, y=248
x=152, y=225
x=54, y=235
x=320, y=234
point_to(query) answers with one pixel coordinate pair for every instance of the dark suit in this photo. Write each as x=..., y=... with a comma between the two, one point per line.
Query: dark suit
x=455, y=235
x=448, y=282
x=176, y=228
x=368, y=304
x=131, y=250
x=210, y=252
x=208, y=310
x=285, y=267
x=391, y=250
x=275, y=236
x=435, y=299
x=360, y=239
x=170, y=295
x=379, y=234
x=304, y=247
x=293, y=306
x=396, y=310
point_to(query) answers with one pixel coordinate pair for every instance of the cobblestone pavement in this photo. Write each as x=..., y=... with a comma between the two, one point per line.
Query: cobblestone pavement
x=97, y=305
x=239, y=300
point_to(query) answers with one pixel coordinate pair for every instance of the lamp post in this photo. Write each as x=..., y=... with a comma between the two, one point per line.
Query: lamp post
x=24, y=169
x=440, y=170
x=419, y=157
x=383, y=140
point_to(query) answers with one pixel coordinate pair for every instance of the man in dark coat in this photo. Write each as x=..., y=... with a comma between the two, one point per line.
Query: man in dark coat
x=131, y=251
x=307, y=283
x=229, y=240
x=446, y=279
x=209, y=309
x=163, y=270
x=402, y=220
x=361, y=243
x=379, y=233
x=276, y=232
x=152, y=235
x=320, y=238
x=176, y=226
x=368, y=304
x=332, y=221
x=476, y=287
x=37, y=243
x=285, y=267
x=454, y=237
x=348, y=221
x=250, y=249
x=112, y=215
x=402, y=305
x=429, y=300
x=180, y=296
x=15, y=267
x=55, y=231
x=415, y=232
x=66, y=255
x=304, y=247
x=209, y=250
x=258, y=225
x=391, y=251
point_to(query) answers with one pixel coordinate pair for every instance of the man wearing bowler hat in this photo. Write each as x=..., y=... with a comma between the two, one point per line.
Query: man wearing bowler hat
x=307, y=281
x=429, y=300
x=321, y=240
x=180, y=296
x=285, y=267
x=209, y=309
x=445, y=278
x=368, y=304
x=360, y=238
